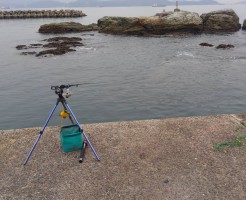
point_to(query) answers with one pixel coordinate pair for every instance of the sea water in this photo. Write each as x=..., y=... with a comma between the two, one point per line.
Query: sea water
x=130, y=78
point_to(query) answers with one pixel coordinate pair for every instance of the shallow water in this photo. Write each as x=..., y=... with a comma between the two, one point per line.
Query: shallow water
x=131, y=77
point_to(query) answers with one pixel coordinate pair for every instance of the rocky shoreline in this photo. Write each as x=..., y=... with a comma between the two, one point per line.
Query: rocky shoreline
x=18, y=14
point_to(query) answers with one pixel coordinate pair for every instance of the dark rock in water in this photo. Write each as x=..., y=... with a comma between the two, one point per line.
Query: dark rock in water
x=56, y=51
x=90, y=34
x=60, y=45
x=244, y=25
x=20, y=47
x=35, y=45
x=66, y=27
x=221, y=21
x=53, y=45
x=28, y=53
x=204, y=44
x=225, y=46
x=67, y=39
x=63, y=44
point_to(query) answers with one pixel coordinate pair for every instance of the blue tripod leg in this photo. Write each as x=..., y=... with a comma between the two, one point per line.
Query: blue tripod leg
x=40, y=134
x=87, y=139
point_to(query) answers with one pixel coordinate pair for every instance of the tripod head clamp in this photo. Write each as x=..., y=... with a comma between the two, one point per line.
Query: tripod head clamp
x=59, y=89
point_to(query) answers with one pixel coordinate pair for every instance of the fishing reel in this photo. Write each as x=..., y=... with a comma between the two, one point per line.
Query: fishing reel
x=59, y=90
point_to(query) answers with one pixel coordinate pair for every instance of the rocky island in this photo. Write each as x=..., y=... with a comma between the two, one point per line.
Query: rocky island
x=165, y=23
x=172, y=23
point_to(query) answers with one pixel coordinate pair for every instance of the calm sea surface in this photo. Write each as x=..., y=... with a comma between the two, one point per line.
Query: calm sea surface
x=131, y=77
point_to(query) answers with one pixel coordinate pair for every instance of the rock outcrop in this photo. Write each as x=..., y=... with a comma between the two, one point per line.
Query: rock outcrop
x=56, y=51
x=121, y=25
x=225, y=46
x=40, y=14
x=21, y=47
x=220, y=46
x=63, y=39
x=66, y=27
x=204, y=44
x=163, y=23
x=244, y=25
x=56, y=46
x=173, y=22
x=221, y=21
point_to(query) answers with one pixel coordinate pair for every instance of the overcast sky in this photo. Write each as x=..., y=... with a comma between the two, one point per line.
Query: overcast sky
x=228, y=1
x=220, y=1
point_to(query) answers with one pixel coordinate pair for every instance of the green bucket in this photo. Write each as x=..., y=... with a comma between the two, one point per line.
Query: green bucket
x=71, y=138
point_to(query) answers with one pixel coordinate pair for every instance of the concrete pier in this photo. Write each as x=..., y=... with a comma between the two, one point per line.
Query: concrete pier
x=166, y=159
x=19, y=14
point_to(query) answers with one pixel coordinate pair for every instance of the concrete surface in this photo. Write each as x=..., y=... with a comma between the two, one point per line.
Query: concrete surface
x=149, y=159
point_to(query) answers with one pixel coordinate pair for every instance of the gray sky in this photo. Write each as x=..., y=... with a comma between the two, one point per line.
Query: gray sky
x=220, y=1
x=228, y=1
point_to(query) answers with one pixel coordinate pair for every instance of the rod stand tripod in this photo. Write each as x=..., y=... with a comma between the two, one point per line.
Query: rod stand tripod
x=62, y=100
